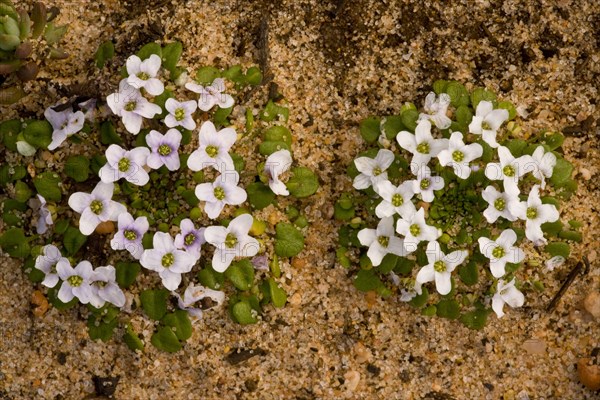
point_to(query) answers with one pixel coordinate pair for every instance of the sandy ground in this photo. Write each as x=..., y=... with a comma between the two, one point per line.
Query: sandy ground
x=337, y=62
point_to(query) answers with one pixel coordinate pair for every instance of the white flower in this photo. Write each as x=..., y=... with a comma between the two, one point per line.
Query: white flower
x=372, y=170
x=435, y=110
x=407, y=295
x=440, y=267
x=194, y=294
x=167, y=260
x=214, y=149
x=181, y=114
x=164, y=149
x=544, y=164
x=422, y=145
x=278, y=163
x=231, y=242
x=554, y=262
x=129, y=104
x=129, y=235
x=459, y=155
x=510, y=169
x=500, y=205
x=211, y=95
x=396, y=200
x=76, y=281
x=44, y=217
x=487, y=121
x=381, y=241
x=224, y=190
x=64, y=124
x=25, y=149
x=46, y=262
x=535, y=214
x=96, y=207
x=121, y=163
x=142, y=74
x=501, y=251
x=105, y=288
x=190, y=239
x=88, y=107
x=506, y=293
x=425, y=184
x=415, y=230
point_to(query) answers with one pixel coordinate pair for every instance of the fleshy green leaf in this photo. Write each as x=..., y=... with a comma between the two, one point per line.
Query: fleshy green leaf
x=100, y=329
x=267, y=148
x=289, y=241
x=149, y=49
x=105, y=52
x=464, y=115
x=259, y=195
x=154, y=303
x=558, y=249
x=553, y=140
x=448, y=309
x=369, y=129
x=170, y=55
x=126, y=273
x=9, y=130
x=108, y=134
x=38, y=134
x=210, y=278
x=73, y=240
x=391, y=126
x=475, y=319
x=277, y=294
x=272, y=110
x=241, y=274
x=440, y=86
x=166, y=340
x=254, y=76
x=562, y=171
x=458, y=94
x=480, y=94
x=303, y=182
x=47, y=184
x=469, y=273
x=278, y=133
x=367, y=280
x=206, y=75
x=77, y=168
x=243, y=313
x=54, y=33
x=421, y=299
x=22, y=192
x=388, y=263
x=409, y=119
x=14, y=243
x=132, y=340
x=180, y=323
x=508, y=106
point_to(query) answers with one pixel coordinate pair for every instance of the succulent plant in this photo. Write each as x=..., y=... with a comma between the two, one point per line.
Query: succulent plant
x=21, y=34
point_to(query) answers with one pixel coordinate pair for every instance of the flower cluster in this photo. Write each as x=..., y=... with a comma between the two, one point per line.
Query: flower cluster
x=453, y=194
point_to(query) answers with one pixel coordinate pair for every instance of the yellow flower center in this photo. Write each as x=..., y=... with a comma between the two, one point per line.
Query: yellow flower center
x=75, y=280
x=168, y=260
x=212, y=151
x=458, y=156
x=500, y=204
x=397, y=200
x=230, y=241
x=415, y=230
x=440, y=266
x=498, y=252
x=124, y=164
x=164, y=150
x=219, y=193
x=384, y=241
x=96, y=206
x=423, y=148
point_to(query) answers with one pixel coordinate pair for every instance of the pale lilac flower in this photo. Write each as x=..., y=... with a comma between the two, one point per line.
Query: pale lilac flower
x=46, y=262
x=425, y=183
x=214, y=149
x=487, y=121
x=164, y=149
x=396, y=199
x=372, y=170
x=181, y=114
x=459, y=155
x=223, y=191
x=142, y=74
x=554, y=262
x=415, y=230
x=129, y=104
x=421, y=145
x=129, y=234
x=509, y=170
x=503, y=205
x=96, y=207
x=88, y=108
x=436, y=109
x=121, y=163
x=501, y=251
x=381, y=241
x=231, y=242
x=260, y=263
x=64, y=124
x=440, y=267
x=278, y=163
x=544, y=163
x=105, y=288
x=407, y=295
x=534, y=213
x=76, y=282
x=190, y=239
x=211, y=95
x=44, y=217
x=167, y=260
x=506, y=293
x=194, y=294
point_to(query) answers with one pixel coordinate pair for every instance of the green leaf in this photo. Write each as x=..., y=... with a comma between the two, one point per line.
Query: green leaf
x=100, y=329
x=22, y=192
x=464, y=115
x=9, y=131
x=171, y=53
x=469, y=273
x=369, y=129
x=448, y=309
x=552, y=228
x=273, y=110
x=409, y=119
x=480, y=94
x=367, y=280
x=206, y=75
x=440, y=86
x=210, y=278
x=342, y=214
x=126, y=273
x=553, y=140
x=277, y=294
x=108, y=134
x=149, y=49
x=278, y=133
x=289, y=241
x=243, y=313
x=259, y=195
x=458, y=94
x=73, y=240
x=570, y=235
x=14, y=243
x=221, y=115
x=508, y=106
x=558, y=249
x=38, y=134
x=132, y=340
x=303, y=182
x=47, y=184
x=77, y=168
x=254, y=76
x=388, y=263
x=241, y=274
x=404, y=266
x=154, y=303
x=180, y=323
x=267, y=148
x=391, y=126
x=234, y=74
x=166, y=340
x=105, y=52
x=421, y=299
x=54, y=33
x=516, y=147
x=475, y=319
x=562, y=171
x=97, y=162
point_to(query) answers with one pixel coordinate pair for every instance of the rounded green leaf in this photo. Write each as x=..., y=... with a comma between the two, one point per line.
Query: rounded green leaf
x=289, y=241
x=9, y=131
x=303, y=182
x=278, y=133
x=126, y=273
x=391, y=126
x=259, y=195
x=269, y=147
x=421, y=299
x=367, y=280
x=241, y=274
x=369, y=129
x=154, y=303
x=180, y=323
x=210, y=278
x=254, y=76
x=562, y=171
x=48, y=185
x=105, y=52
x=510, y=107
x=277, y=294
x=77, y=168
x=148, y=50
x=458, y=94
x=22, y=192
x=99, y=329
x=132, y=340
x=170, y=56
x=448, y=309
x=38, y=134
x=243, y=313
x=558, y=249
x=73, y=240
x=206, y=75
x=469, y=273
x=108, y=134
x=166, y=340
x=480, y=94
x=409, y=119
x=14, y=243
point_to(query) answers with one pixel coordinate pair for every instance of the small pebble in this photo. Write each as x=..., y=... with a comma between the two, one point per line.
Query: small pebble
x=534, y=346
x=104, y=228
x=591, y=303
x=592, y=255
x=589, y=373
x=361, y=353
x=352, y=378
x=39, y=300
x=585, y=173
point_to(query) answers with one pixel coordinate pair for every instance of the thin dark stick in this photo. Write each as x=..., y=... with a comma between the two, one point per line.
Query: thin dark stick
x=572, y=275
